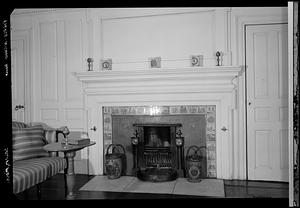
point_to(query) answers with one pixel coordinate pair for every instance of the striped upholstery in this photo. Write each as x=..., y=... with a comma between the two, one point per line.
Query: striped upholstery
x=18, y=125
x=31, y=171
x=27, y=173
x=28, y=143
x=50, y=136
x=50, y=133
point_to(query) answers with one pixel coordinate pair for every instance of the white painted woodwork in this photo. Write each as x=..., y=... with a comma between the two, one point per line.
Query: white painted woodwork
x=188, y=86
x=60, y=50
x=18, y=79
x=174, y=34
x=151, y=36
x=239, y=18
x=78, y=33
x=21, y=54
x=267, y=111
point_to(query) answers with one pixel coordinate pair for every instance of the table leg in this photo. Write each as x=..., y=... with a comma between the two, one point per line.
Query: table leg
x=70, y=174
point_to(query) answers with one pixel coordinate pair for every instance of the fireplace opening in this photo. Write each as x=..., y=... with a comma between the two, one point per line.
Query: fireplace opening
x=158, y=156
x=198, y=128
x=157, y=151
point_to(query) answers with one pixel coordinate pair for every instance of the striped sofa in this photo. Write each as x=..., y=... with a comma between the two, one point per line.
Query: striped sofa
x=31, y=164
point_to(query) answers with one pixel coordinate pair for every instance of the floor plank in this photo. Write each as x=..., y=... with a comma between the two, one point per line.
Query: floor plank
x=53, y=189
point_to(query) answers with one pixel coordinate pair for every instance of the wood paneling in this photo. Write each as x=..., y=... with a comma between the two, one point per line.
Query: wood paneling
x=174, y=37
x=48, y=58
x=262, y=149
x=74, y=59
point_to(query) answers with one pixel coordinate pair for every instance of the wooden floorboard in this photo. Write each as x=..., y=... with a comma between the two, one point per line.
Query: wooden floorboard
x=53, y=189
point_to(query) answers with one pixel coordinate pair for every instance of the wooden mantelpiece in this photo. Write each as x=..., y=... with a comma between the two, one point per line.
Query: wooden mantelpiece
x=219, y=86
x=205, y=79
x=191, y=73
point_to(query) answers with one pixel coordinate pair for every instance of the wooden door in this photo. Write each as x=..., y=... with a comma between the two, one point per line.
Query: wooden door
x=18, y=80
x=267, y=102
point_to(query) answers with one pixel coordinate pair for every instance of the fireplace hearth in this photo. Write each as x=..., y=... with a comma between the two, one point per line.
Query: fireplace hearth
x=158, y=151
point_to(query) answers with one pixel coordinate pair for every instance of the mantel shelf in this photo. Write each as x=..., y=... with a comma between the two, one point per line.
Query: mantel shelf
x=191, y=73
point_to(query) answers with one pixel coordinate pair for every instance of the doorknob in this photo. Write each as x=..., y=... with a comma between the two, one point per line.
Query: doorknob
x=94, y=128
x=224, y=128
x=18, y=107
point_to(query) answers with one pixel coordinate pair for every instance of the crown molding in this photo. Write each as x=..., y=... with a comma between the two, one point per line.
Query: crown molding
x=37, y=11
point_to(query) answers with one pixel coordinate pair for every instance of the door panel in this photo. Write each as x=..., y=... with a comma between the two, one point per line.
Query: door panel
x=18, y=80
x=267, y=103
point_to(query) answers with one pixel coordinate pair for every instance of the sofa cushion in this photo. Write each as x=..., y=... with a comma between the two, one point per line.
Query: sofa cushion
x=50, y=133
x=28, y=173
x=18, y=124
x=28, y=143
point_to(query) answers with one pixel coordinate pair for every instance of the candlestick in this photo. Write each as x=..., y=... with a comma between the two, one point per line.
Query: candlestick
x=90, y=64
x=218, y=54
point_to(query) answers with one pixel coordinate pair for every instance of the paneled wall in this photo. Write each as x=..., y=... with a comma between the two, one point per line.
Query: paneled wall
x=62, y=39
x=131, y=36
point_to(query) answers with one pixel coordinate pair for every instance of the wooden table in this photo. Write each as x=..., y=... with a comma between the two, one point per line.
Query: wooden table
x=69, y=152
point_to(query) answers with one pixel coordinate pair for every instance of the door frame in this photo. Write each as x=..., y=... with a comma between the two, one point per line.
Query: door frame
x=26, y=37
x=238, y=20
x=246, y=90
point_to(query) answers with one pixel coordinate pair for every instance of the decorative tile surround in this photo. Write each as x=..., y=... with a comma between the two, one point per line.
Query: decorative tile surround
x=208, y=110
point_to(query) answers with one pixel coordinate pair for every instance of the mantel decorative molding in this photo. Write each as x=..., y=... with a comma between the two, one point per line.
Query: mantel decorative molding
x=165, y=86
x=191, y=73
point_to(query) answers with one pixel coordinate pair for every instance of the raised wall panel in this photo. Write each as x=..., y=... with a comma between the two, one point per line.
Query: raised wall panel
x=173, y=37
x=262, y=148
x=283, y=64
x=260, y=65
x=49, y=114
x=283, y=137
x=48, y=57
x=262, y=114
x=74, y=58
x=14, y=91
x=283, y=113
x=73, y=114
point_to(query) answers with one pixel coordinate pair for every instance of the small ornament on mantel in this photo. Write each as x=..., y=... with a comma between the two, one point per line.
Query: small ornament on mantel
x=155, y=62
x=106, y=64
x=90, y=64
x=197, y=60
x=218, y=54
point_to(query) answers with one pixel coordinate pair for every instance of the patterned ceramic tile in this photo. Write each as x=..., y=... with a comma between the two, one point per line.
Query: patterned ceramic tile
x=132, y=110
x=107, y=142
x=210, y=128
x=183, y=109
x=115, y=110
x=202, y=109
x=107, y=118
x=211, y=174
x=211, y=108
x=211, y=146
x=107, y=136
x=210, y=137
x=174, y=110
x=209, y=111
x=107, y=127
x=211, y=117
x=139, y=110
x=211, y=155
x=193, y=109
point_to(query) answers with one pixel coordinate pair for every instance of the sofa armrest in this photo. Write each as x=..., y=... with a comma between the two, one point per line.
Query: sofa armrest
x=63, y=130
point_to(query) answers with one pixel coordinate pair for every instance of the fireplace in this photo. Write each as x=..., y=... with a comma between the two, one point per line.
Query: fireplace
x=158, y=151
x=133, y=92
x=197, y=123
